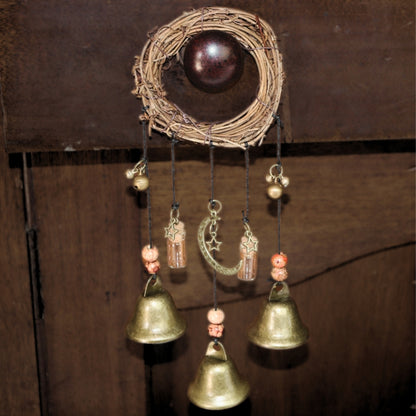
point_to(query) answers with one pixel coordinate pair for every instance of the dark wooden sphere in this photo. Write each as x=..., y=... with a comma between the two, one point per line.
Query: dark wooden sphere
x=213, y=61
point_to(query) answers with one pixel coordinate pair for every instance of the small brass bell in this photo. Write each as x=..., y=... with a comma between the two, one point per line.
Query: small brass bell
x=278, y=326
x=217, y=385
x=274, y=191
x=140, y=182
x=156, y=319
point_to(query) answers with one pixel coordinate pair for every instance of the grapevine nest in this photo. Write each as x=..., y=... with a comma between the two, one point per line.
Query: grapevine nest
x=256, y=37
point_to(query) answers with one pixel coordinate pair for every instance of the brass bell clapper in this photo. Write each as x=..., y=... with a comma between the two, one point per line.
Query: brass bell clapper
x=278, y=325
x=156, y=319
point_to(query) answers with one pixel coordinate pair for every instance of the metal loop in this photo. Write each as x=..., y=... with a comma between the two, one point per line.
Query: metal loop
x=140, y=167
x=174, y=215
x=248, y=230
x=211, y=207
x=279, y=170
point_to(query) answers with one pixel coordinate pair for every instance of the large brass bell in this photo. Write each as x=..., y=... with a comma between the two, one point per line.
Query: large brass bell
x=278, y=326
x=156, y=319
x=217, y=385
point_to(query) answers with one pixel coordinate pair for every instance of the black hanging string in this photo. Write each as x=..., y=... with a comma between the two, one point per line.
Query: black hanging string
x=211, y=160
x=175, y=204
x=149, y=207
x=214, y=272
x=247, y=163
x=279, y=164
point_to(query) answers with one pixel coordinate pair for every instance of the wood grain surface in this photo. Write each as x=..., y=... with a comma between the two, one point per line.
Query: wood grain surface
x=336, y=208
x=358, y=360
x=81, y=217
x=65, y=71
x=19, y=392
x=347, y=224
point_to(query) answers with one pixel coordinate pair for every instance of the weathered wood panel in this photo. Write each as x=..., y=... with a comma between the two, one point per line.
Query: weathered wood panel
x=66, y=70
x=338, y=209
x=359, y=359
x=87, y=224
x=19, y=393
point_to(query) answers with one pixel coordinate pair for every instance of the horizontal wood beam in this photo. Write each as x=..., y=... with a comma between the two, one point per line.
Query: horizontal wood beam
x=66, y=72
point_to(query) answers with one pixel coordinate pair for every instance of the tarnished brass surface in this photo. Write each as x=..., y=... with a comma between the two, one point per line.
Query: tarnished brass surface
x=156, y=319
x=217, y=385
x=278, y=326
x=228, y=271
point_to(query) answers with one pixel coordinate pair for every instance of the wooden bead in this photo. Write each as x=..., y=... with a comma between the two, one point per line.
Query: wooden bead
x=279, y=274
x=215, y=330
x=213, y=61
x=152, y=267
x=274, y=191
x=279, y=260
x=150, y=254
x=141, y=182
x=215, y=316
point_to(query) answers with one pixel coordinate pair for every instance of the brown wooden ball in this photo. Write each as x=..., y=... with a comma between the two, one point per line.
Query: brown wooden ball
x=216, y=316
x=213, y=61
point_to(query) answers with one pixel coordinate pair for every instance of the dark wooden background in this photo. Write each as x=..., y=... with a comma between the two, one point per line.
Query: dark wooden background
x=72, y=227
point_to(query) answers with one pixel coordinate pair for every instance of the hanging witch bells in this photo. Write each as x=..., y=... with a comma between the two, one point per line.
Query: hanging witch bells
x=217, y=384
x=278, y=325
x=156, y=319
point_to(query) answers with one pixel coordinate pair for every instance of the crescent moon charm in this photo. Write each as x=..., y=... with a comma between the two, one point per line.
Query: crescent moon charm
x=228, y=271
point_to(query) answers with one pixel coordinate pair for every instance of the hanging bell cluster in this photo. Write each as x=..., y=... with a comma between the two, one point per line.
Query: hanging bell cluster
x=138, y=175
x=217, y=385
x=277, y=182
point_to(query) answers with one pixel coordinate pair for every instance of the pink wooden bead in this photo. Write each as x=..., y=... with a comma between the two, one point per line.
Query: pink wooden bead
x=279, y=274
x=152, y=267
x=215, y=316
x=279, y=260
x=150, y=254
x=215, y=330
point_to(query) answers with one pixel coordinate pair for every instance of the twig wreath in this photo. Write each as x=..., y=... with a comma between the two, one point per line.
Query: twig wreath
x=255, y=36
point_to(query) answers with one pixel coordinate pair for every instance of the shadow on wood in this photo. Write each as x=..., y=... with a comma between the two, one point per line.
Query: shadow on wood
x=278, y=359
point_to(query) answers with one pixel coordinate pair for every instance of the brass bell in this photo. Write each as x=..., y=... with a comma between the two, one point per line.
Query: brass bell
x=278, y=326
x=156, y=319
x=274, y=191
x=140, y=182
x=217, y=385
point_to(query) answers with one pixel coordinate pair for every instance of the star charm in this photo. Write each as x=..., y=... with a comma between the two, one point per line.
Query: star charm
x=251, y=244
x=171, y=231
x=213, y=244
